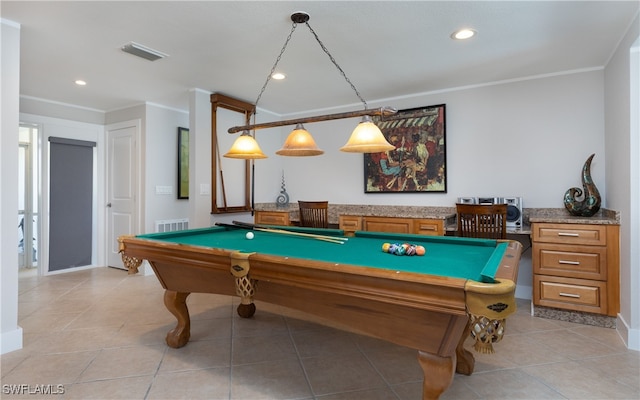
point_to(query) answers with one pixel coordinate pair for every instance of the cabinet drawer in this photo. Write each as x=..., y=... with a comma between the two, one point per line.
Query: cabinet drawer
x=431, y=227
x=585, y=262
x=570, y=234
x=568, y=293
x=350, y=223
x=272, y=217
x=386, y=224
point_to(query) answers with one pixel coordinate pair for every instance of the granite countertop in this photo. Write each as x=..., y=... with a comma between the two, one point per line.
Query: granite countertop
x=562, y=216
x=335, y=210
x=448, y=214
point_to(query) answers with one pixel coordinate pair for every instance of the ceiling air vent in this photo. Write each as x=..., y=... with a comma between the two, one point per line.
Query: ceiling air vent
x=143, y=51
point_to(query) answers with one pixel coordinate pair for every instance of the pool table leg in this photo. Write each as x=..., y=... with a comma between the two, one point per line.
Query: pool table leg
x=245, y=286
x=246, y=310
x=438, y=374
x=466, y=362
x=176, y=303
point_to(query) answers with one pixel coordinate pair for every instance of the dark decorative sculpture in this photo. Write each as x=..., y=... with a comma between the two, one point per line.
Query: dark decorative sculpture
x=590, y=203
x=283, y=198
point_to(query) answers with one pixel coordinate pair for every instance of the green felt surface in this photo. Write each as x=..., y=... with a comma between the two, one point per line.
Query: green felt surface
x=465, y=258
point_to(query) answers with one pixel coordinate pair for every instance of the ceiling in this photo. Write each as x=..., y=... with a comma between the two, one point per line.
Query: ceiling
x=387, y=49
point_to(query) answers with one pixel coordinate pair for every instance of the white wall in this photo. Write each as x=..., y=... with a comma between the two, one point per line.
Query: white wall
x=54, y=109
x=622, y=133
x=161, y=165
x=10, y=332
x=526, y=138
x=199, y=159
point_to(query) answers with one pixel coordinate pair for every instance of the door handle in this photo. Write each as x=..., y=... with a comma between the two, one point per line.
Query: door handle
x=108, y=205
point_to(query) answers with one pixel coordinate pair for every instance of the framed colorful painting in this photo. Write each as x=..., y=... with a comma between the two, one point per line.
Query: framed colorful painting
x=418, y=163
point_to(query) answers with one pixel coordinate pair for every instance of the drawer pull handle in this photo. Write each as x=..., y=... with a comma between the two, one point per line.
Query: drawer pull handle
x=427, y=228
x=568, y=234
x=569, y=262
x=575, y=296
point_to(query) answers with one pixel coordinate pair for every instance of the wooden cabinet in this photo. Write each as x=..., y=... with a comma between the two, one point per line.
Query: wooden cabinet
x=431, y=227
x=576, y=267
x=352, y=223
x=272, y=217
x=386, y=224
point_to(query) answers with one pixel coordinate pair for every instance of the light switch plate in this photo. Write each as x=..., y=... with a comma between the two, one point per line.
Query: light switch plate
x=164, y=189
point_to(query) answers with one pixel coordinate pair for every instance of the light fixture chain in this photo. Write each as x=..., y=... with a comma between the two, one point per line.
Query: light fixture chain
x=275, y=65
x=333, y=60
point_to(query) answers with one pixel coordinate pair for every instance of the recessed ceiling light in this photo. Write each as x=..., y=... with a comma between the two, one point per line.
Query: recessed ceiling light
x=278, y=76
x=463, y=34
x=80, y=82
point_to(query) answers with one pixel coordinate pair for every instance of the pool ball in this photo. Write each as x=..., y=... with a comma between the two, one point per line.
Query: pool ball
x=385, y=247
x=420, y=250
x=249, y=235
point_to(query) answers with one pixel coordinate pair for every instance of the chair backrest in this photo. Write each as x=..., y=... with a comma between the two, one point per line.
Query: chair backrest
x=314, y=214
x=487, y=221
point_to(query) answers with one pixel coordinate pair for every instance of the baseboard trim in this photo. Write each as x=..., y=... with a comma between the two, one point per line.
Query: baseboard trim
x=631, y=337
x=11, y=341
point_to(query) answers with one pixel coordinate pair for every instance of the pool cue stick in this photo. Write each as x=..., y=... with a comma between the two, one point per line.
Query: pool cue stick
x=253, y=186
x=307, y=235
x=231, y=226
x=327, y=238
x=224, y=193
x=250, y=227
x=247, y=117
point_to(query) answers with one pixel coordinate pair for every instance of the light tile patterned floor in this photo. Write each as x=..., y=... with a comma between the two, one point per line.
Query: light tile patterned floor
x=100, y=333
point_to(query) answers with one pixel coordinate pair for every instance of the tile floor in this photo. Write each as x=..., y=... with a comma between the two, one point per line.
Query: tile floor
x=100, y=334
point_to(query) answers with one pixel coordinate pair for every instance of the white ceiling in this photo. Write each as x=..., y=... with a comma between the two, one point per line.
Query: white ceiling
x=386, y=48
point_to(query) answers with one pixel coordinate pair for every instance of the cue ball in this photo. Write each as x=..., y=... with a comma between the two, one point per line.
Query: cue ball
x=249, y=235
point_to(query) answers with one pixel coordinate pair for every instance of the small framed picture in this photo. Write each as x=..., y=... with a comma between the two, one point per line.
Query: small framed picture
x=183, y=163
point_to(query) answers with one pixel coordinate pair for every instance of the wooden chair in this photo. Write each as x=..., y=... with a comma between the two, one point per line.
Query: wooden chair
x=488, y=221
x=314, y=214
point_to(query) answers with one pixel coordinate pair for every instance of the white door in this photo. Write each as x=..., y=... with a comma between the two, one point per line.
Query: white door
x=122, y=186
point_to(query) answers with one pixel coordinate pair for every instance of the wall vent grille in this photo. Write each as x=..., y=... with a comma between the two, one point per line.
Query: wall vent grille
x=170, y=225
x=143, y=51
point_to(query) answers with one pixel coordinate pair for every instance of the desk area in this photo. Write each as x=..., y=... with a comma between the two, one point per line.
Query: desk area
x=270, y=214
x=401, y=219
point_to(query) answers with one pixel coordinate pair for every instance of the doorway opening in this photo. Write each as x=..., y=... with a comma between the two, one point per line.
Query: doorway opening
x=28, y=200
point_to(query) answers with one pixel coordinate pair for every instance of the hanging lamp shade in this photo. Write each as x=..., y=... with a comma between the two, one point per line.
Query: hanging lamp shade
x=299, y=143
x=367, y=138
x=245, y=147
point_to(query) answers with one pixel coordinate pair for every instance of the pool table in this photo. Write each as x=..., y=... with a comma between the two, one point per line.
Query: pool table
x=431, y=303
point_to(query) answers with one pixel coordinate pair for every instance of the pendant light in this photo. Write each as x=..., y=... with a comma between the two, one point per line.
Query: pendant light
x=366, y=138
x=245, y=147
x=299, y=143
